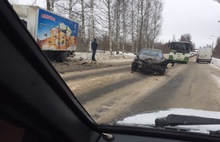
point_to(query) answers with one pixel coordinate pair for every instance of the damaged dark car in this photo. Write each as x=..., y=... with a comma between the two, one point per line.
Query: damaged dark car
x=150, y=61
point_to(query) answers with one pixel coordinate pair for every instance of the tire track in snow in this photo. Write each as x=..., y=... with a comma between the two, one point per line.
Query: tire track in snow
x=69, y=77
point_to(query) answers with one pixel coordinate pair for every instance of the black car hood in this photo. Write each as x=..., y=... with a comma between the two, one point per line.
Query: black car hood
x=150, y=59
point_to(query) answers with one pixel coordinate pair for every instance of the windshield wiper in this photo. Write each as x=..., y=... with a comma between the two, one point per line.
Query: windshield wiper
x=174, y=120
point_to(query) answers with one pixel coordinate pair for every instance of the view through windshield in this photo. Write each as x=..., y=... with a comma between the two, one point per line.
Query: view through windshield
x=93, y=45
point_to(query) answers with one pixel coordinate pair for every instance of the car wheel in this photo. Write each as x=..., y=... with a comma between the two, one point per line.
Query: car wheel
x=197, y=60
x=134, y=67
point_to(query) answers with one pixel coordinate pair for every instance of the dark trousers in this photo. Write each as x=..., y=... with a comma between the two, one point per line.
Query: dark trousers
x=93, y=54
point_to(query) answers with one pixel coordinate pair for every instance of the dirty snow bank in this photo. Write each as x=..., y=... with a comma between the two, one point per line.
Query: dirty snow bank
x=104, y=56
x=216, y=62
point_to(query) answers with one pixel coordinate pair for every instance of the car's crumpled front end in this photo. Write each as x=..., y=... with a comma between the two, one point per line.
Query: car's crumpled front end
x=150, y=65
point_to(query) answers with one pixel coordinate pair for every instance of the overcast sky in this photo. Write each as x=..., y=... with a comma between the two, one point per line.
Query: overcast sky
x=199, y=18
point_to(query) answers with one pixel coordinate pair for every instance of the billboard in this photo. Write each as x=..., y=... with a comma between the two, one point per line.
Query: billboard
x=55, y=32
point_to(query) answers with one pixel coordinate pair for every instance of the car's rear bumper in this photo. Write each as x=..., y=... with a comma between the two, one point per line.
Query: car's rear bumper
x=204, y=60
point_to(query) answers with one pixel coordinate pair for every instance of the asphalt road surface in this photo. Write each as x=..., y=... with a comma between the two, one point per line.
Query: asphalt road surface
x=110, y=92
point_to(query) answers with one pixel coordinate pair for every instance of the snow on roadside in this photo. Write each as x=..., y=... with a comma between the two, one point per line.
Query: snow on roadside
x=217, y=79
x=104, y=56
x=216, y=62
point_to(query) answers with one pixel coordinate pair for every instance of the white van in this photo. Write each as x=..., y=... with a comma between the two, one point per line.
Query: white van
x=204, y=55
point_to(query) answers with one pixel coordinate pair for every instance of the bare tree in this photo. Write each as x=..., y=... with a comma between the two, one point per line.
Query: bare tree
x=83, y=24
x=109, y=25
x=72, y=12
x=140, y=44
x=119, y=25
x=156, y=20
x=148, y=22
x=132, y=26
x=216, y=51
x=217, y=1
x=124, y=11
x=138, y=15
x=118, y=20
x=186, y=38
x=91, y=22
x=50, y=5
x=66, y=8
x=106, y=17
x=148, y=26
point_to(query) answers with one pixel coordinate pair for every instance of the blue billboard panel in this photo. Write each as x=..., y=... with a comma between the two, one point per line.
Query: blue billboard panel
x=55, y=32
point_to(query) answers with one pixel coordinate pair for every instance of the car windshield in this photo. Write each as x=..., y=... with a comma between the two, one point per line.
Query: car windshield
x=151, y=53
x=92, y=45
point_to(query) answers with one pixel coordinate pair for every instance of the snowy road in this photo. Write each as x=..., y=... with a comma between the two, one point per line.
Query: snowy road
x=111, y=92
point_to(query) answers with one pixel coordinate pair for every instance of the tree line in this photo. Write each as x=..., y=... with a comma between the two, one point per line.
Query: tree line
x=118, y=25
x=216, y=50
